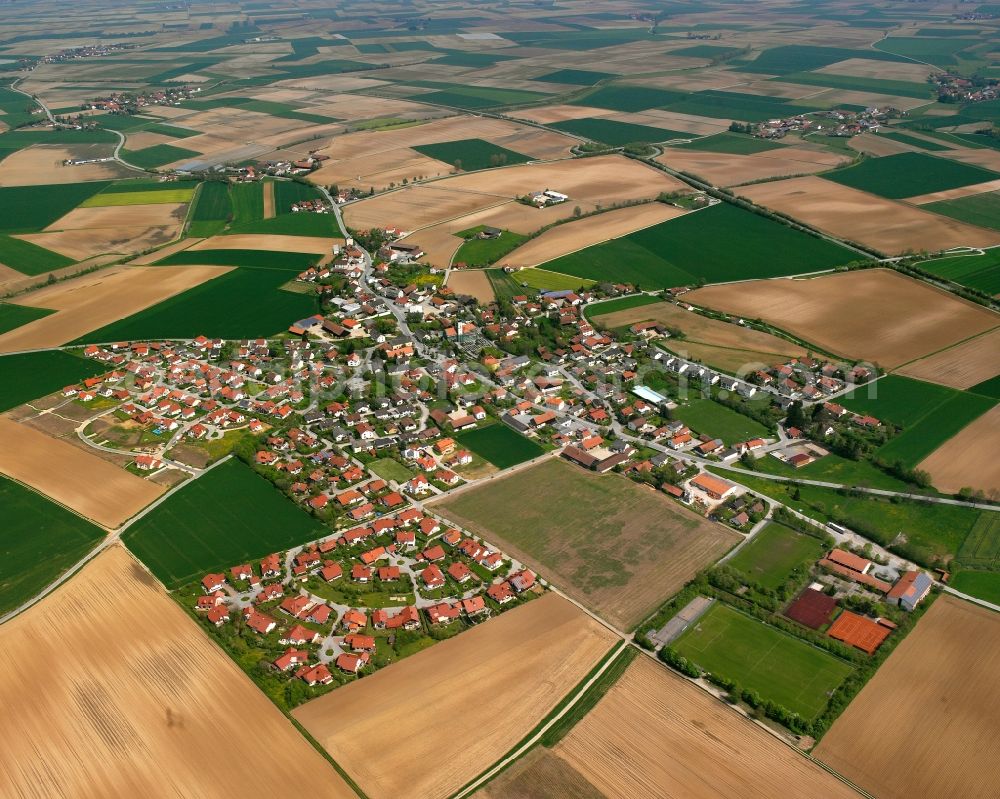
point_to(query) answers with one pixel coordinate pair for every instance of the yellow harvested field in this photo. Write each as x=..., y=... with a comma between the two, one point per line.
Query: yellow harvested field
x=430, y=723
x=573, y=236
x=656, y=735
x=42, y=164
x=968, y=458
x=726, y=169
x=875, y=314
x=961, y=366
x=888, y=226
x=955, y=194
x=121, y=216
x=92, y=301
x=73, y=477
x=473, y=282
x=321, y=245
x=114, y=691
x=698, y=329
x=873, y=144
x=940, y=686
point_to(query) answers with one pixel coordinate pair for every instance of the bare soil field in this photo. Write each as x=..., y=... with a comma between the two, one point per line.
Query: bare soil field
x=702, y=126
x=268, y=188
x=72, y=477
x=359, y=107
x=734, y=360
x=883, y=70
x=92, y=301
x=680, y=742
x=984, y=157
x=321, y=245
x=131, y=697
x=415, y=207
x=42, y=164
x=732, y=170
x=547, y=114
x=84, y=243
x=474, y=283
x=582, y=233
x=873, y=144
x=940, y=685
x=540, y=774
x=163, y=252
x=955, y=194
x=888, y=226
x=875, y=314
x=144, y=139
x=700, y=329
x=380, y=169
x=121, y=216
x=969, y=458
x=618, y=547
x=486, y=688
x=961, y=366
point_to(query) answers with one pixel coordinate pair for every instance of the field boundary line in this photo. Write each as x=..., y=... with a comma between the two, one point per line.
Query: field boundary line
x=969, y=598
x=529, y=744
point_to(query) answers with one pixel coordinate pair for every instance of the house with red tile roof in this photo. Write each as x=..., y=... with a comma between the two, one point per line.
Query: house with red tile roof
x=351, y=663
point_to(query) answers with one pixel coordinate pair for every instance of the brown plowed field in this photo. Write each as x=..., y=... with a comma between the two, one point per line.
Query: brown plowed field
x=269, y=200
x=926, y=724
x=961, y=366
x=655, y=735
x=699, y=329
x=114, y=691
x=725, y=169
x=883, y=70
x=616, y=546
x=378, y=170
x=875, y=314
x=415, y=207
x=574, y=236
x=84, y=243
x=548, y=114
x=163, y=252
x=889, y=226
x=71, y=476
x=540, y=774
x=969, y=458
x=320, y=245
x=92, y=301
x=955, y=194
x=430, y=723
x=42, y=165
x=122, y=216
x=473, y=282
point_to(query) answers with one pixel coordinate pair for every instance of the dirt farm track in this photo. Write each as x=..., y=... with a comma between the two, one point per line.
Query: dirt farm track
x=925, y=725
x=432, y=722
x=113, y=691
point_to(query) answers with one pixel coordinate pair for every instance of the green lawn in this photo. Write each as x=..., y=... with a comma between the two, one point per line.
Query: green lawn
x=709, y=417
x=976, y=271
x=471, y=154
x=28, y=209
x=39, y=540
x=13, y=316
x=773, y=552
x=483, y=252
x=985, y=585
x=390, y=469
x=909, y=175
x=228, y=516
x=156, y=156
x=27, y=377
x=608, y=131
x=683, y=250
x=500, y=445
x=781, y=668
x=28, y=258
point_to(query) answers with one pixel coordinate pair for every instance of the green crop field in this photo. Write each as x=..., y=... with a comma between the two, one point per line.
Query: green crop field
x=779, y=667
x=931, y=531
x=156, y=156
x=28, y=258
x=981, y=584
x=791, y=58
x=574, y=77
x=621, y=304
x=390, y=469
x=909, y=175
x=500, y=445
x=32, y=375
x=940, y=52
x=914, y=141
x=981, y=548
x=13, y=316
x=39, y=541
x=244, y=303
x=248, y=202
x=28, y=209
x=773, y=552
x=988, y=388
x=629, y=98
x=917, y=442
x=543, y=280
x=975, y=271
x=248, y=259
x=708, y=417
x=732, y=105
x=902, y=401
x=226, y=517
x=176, y=195
x=300, y=224
x=978, y=209
x=483, y=252
x=474, y=97
x=683, y=250
x=471, y=154
x=607, y=131
x=898, y=88
x=213, y=208
x=735, y=143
